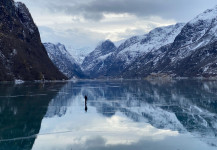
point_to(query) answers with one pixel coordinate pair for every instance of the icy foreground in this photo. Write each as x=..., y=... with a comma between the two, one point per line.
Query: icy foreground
x=165, y=106
x=123, y=114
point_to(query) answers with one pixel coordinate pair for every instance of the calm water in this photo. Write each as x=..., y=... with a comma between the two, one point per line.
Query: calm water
x=120, y=115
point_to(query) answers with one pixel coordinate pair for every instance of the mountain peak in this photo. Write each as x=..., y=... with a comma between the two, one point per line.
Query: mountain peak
x=106, y=46
x=207, y=15
x=25, y=17
x=104, y=43
x=203, y=25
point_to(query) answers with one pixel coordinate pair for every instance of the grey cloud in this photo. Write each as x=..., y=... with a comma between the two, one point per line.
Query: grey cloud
x=180, y=10
x=93, y=16
x=73, y=8
x=169, y=9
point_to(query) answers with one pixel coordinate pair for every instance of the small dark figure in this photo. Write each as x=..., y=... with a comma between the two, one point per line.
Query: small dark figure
x=85, y=97
x=86, y=108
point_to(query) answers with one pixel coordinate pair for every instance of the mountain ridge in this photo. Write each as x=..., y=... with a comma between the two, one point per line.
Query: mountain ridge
x=192, y=54
x=114, y=63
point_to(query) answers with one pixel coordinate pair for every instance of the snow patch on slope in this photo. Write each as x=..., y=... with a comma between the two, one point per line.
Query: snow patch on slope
x=152, y=41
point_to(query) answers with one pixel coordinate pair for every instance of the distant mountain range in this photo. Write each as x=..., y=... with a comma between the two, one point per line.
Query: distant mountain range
x=22, y=55
x=110, y=61
x=180, y=50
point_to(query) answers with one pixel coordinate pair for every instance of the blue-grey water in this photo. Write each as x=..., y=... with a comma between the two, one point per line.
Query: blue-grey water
x=120, y=115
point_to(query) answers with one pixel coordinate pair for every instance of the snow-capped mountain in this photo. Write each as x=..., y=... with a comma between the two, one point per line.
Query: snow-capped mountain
x=63, y=60
x=181, y=50
x=192, y=54
x=96, y=59
x=114, y=62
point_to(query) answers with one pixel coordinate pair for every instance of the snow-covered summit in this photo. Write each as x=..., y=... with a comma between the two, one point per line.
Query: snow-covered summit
x=97, y=57
x=199, y=31
x=207, y=15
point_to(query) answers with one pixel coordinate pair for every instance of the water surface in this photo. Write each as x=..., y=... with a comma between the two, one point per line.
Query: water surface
x=128, y=115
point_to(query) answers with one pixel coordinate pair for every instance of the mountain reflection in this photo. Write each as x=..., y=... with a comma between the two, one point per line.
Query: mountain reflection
x=22, y=108
x=186, y=106
x=120, y=115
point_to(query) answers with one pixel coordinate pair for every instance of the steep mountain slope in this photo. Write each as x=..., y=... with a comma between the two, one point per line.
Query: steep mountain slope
x=94, y=62
x=132, y=48
x=22, y=55
x=192, y=54
x=63, y=60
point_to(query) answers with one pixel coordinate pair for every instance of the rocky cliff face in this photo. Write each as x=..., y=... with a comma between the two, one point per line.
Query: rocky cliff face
x=63, y=60
x=22, y=55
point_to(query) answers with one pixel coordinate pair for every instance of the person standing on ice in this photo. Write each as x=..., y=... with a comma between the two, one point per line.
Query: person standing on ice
x=85, y=97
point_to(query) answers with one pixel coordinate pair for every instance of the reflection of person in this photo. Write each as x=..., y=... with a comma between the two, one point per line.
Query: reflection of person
x=86, y=108
x=85, y=97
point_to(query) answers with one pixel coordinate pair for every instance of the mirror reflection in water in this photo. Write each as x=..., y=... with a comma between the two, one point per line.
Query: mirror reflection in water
x=180, y=114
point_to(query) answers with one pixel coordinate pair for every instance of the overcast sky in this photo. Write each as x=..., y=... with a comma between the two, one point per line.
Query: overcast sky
x=82, y=23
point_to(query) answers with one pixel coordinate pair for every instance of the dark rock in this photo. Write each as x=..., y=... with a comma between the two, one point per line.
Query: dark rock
x=22, y=55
